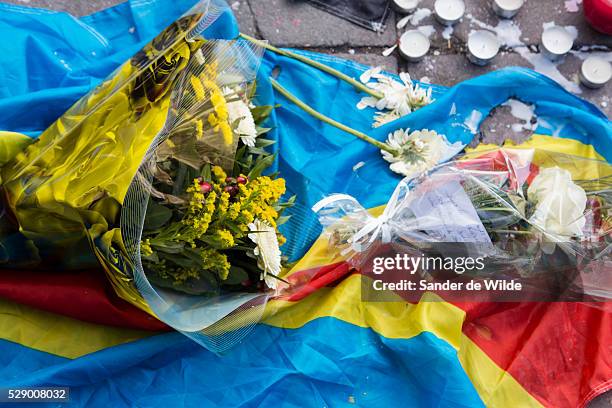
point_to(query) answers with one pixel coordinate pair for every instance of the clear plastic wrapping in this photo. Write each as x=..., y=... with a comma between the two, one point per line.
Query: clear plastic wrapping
x=519, y=216
x=82, y=193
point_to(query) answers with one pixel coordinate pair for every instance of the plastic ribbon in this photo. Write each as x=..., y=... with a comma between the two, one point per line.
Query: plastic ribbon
x=365, y=229
x=383, y=225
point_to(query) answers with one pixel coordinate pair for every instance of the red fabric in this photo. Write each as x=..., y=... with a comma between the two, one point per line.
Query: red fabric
x=305, y=282
x=84, y=295
x=561, y=353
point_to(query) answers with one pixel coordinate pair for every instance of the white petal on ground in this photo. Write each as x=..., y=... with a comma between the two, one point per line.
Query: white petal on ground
x=402, y=23
x=365, y=77
x=389, y=50
x=367, y=101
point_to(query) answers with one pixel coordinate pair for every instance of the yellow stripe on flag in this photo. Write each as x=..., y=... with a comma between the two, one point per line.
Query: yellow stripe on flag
x=394, y=320
x=59, y=335
x=401, y=320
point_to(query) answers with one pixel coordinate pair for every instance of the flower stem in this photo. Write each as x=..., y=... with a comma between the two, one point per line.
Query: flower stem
x=328, y=120
x=315, y=64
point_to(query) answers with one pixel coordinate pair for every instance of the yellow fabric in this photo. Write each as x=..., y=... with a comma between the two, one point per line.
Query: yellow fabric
x=11, y=144
x=59, y=335
x=395, y=320
x=550, y=143
x=546, y=145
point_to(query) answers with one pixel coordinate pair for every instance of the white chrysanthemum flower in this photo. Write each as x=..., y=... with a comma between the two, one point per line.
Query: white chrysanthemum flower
x=399, y=98
x=239, y=114
x=267, y=251
x=419, y=151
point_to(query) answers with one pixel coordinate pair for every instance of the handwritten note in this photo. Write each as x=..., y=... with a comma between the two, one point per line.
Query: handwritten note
x=448, y=213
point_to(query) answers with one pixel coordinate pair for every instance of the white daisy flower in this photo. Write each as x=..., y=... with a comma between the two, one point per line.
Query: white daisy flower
x=267, y=251
x=419, y=151
x=239, y=114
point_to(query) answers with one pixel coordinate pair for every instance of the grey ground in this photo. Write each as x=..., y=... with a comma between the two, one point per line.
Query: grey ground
x=294, y=23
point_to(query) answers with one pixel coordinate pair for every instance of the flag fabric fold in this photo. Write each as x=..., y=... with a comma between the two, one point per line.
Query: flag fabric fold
x=322, y=346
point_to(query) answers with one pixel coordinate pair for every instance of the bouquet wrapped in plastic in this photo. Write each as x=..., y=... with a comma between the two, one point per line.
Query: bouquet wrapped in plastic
x=157, y=175
x=525, y=224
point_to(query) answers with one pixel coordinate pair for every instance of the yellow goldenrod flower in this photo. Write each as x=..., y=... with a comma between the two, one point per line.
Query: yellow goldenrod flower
x=145, y=248
x=219, y=174
x=222, y=239
x=226, y=132
x=199, y=129
x=198, y=88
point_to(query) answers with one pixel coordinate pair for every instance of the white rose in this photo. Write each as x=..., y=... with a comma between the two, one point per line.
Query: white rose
x=560, y=203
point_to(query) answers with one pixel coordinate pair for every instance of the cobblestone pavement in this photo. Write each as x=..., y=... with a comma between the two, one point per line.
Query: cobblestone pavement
x=295, y=23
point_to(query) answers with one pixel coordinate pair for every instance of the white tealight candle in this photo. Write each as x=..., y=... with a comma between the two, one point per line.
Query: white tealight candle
x=413, y=45
x=556, y=42
x=595, y=72
x=507, y=8
x=483, y=46
x=405, y=6
x=449, y=12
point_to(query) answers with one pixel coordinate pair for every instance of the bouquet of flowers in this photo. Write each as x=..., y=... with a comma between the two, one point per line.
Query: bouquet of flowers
x=541, y=217
x=157, y=175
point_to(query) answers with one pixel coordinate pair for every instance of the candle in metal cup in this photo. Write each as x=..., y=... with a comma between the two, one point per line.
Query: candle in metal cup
x=413, y=45
x=483, y=46
x=507, y=8
x=449, y=12
x=405, y=6
x=556, y=42
x=595, y=72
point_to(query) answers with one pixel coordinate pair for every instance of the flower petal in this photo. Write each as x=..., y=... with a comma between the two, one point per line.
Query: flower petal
x=365, y=77
x=367, y=102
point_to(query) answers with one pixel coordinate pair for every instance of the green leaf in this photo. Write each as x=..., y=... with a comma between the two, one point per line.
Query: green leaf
x=236, y=276
x=252, y=90
x=258, y=151
x=262, y=130
x=282, y=220
x=169, y=247
x=261, y=165
x=261, y=113
x=206, y=173
x=157, y=216
x=261, y=142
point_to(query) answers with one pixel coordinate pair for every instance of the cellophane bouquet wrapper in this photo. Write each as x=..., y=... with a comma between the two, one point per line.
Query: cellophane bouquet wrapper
x=77, y=197
x=537, y=217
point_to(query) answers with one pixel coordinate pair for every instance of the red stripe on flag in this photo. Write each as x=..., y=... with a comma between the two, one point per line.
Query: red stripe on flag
x=561, y=353
x=84, y=295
